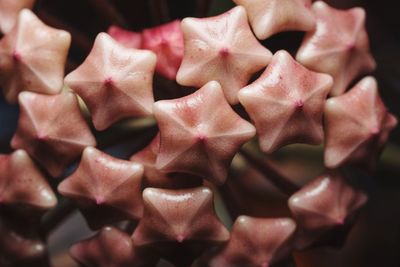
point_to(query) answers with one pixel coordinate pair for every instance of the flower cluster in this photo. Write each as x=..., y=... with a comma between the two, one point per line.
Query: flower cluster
x=165, y=191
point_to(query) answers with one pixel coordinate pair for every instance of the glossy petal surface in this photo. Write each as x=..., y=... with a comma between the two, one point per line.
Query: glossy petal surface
x=339, y=45
x=286, y=103
x=32, y=57
x=357, y=126
x=22, y=184
x=223, y=49
x=167, y=42
x=110, y=247
x=155, y=178
x=179, y=222
x=268, y=17
x=115, y=82
x=9, y=10
x=52, y=130
x=323, y=204
x=256, y=242
x=127, y=38
x=103, y=183
x=200, y=133
x=17, y=246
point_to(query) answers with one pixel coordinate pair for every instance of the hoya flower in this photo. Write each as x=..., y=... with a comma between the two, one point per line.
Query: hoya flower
x=338, y=46
x=32, y=57
x=179, y=222
x=110, y=247
x=286, y=103
x=52, y=130
x=200, y=133
x=167, y=42
x=223, y=49
x=357, y=126
x=256, y=242
x=115, y=82
x=127, y=38
x=268, y=17
x=104, y=184
x=23, y=188
x=326, y=203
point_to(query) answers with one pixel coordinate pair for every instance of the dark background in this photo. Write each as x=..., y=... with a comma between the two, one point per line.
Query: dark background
x=375, y=240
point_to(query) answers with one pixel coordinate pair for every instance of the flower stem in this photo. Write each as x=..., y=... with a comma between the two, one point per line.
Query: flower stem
x=262, y=165
x=56, y=216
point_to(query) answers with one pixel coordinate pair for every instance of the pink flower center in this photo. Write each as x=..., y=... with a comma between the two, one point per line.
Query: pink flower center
x=201, y=138
x=16, y=56
x=108, y=82
x=224, y=52
x=180, y=238
x=299, y=104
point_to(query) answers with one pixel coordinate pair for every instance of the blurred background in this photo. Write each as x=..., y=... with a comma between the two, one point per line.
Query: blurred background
x=375, y=239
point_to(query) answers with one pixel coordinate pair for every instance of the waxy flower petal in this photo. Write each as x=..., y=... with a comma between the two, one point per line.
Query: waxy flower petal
x=338, y=46
x=110, y=247
x=286, y=103
x=106, y=189
x=155, y=178
x=9, y=10
x=32, y=57
x=223, y=49
x=22, y=186
x=357, y=126
x=167, y=42
x=179, y=220
x=268, y=17
x=322, y=205
x=256, y=242
x=115, y=82
x=17, y=246
x=127, y=38
x=200, y=133
x=52, y=130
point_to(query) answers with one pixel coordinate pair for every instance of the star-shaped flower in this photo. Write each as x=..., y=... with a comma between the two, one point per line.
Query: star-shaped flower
x=52, y=130
x=223, y=49
x=200, y=133
x=19, y=245
x=357, y=126
x=256, y=242
x=127, y=38
x=9, y=10
x=32, y=57
x=155, y=178
x=105, y=189
x=338, y=46
x=179, y=222
x=286, y=103
x=115, y=82
x=268, y=17
x=167, y=42
x=22, y=187
x=322, y=205
x=110, y=247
